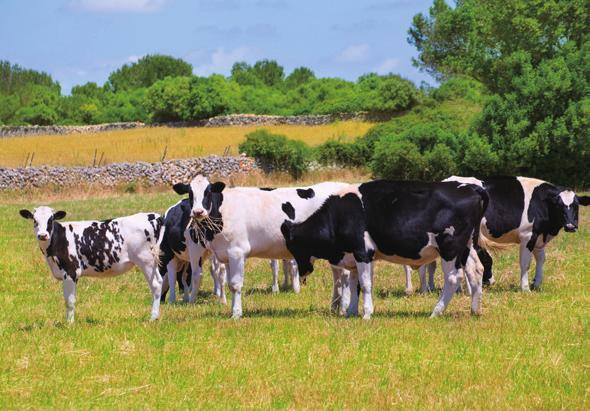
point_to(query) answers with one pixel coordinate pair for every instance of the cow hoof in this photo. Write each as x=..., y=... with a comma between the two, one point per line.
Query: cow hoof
x=275, y=289
x=409, y=291
x=367, y=317
x=526, y=289
x=236, y=316
x=352, y=313
x=535, y=287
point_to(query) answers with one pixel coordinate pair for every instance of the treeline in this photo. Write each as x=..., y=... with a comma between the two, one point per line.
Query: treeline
x=161, y=89
x=525, y=64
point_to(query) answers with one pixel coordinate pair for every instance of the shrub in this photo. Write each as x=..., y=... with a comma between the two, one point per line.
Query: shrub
x=38, y=114
x=397, y=160
x=339, y=153
x=277, y=152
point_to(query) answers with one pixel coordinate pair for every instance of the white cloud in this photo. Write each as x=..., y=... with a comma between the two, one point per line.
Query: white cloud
x=118, y=6
x=354, y=54
x=387, y=66
x=220, y=61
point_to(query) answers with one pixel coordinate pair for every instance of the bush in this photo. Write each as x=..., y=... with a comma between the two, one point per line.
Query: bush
x=339, y=153
x=277, y=152
x=38, y=114
x=397, y=160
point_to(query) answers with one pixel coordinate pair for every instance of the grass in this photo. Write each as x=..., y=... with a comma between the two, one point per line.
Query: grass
x=149, y=144
x=526, y=351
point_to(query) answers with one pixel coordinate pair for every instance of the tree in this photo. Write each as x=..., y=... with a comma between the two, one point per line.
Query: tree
x=146, y=71
x=479, y=38
x=299, y=76
x=269, y=72
x=241, y=73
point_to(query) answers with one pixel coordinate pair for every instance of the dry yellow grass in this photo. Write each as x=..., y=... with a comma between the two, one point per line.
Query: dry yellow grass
x=148, y=144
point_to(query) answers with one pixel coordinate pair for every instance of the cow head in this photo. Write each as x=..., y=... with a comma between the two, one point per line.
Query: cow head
x=565, y=204
x=200, y=193
x=43, y=218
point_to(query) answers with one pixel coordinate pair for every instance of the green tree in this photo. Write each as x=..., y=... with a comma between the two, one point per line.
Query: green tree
x=299, y=76
x=146, y=71
x=269, y=72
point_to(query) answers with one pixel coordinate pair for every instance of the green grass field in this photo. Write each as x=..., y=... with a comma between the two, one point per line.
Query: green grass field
x=526, y=351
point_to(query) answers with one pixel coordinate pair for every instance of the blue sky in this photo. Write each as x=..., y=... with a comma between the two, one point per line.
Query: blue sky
x=84, y=40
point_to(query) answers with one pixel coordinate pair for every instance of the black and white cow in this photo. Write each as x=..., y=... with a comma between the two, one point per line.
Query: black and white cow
x=528, y=212
x=237, y=223
x=98, y=249
x=402, y=222
x=178, y=238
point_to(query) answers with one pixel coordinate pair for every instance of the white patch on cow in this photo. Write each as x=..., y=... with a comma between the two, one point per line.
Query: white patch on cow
x=528, y=186
x=450, y=230
x=369, y=243
x=464, y=180
x=567, y=197
x=198, y=186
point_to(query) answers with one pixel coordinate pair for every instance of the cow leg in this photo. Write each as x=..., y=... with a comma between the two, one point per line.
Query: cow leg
x=337, y=276
x=525, y=263
x=274, y=266
x=69, y=285
x=342, y=288
x=409, y=286
x=222, y=277
x=154, y=279
x=431, y=271
x=185, y=285
x=214, y=276
x=540, y=261
x=165, y=288
x=449, y=288
x=294, y=270
x=488, y=262
x=474, y=274
x=195, y=255
x=422, y=276
x=286, y=273
x=236, y=282
x=366, y=283
x=353, y=306
x=171, y=268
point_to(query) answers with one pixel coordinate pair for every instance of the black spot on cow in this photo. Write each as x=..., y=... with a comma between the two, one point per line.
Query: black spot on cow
x=147, y=235
x=504, y=212
x=71, y=227
x=289, y=210
x=174, y=224
x=306, y=193
x=266, y=188
x=58, y=249
x=100, y=244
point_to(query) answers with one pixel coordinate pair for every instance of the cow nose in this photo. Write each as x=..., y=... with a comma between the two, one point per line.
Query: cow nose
x=199, y=213
x=43, y=237
x=570, y=227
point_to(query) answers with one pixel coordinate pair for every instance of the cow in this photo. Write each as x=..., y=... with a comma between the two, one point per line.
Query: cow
x=525, y=211
x=98, y=249
x=175, y=244
x=175, y=259
x=242, y=222
x=403, y=222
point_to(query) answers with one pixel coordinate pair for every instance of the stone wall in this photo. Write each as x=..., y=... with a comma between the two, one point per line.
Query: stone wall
x=219, y=121
x=114, y=174
x=17, y=131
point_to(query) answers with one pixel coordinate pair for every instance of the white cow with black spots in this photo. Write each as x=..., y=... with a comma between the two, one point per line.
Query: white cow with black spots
x=238, y=223
x=98, y=249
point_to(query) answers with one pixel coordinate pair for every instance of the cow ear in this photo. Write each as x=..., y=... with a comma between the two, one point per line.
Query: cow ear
x=217, y=187
x=26, y=214
x=584, y=200
x=59, y=215
x=181, y=188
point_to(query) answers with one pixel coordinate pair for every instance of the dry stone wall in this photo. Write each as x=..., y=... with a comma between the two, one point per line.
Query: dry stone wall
x=115, y=174
x=219, y=121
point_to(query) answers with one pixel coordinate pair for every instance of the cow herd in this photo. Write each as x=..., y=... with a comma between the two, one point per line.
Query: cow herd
x=458, y=221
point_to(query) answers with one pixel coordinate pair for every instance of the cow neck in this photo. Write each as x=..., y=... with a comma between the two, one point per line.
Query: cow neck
x=57, y=233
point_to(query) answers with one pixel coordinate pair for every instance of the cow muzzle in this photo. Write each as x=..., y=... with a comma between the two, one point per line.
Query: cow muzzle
x=43, y=237
x=199, y=214
x=570, y=228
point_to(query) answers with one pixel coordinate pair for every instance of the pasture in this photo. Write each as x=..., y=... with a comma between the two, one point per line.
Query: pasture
x=149, y=144
x=526, y=351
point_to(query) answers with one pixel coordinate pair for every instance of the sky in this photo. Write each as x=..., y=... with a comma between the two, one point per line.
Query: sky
x=77, y=41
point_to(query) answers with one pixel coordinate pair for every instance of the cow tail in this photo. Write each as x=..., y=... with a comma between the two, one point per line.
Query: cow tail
x=158, y=251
